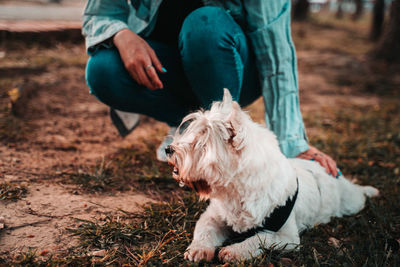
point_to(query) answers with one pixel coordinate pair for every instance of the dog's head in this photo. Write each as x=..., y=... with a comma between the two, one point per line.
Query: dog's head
x=207, y=146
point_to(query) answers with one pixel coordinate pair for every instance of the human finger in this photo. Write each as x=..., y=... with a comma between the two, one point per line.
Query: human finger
x=135, y=76
x=332, y=166
x=322, y=160
x=328, y=164
x=145, y=79
x=152, y=74
x=156, y=62
x=133, y=66
x=305, y=156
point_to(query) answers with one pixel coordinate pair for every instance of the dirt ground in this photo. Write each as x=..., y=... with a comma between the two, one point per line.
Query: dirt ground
x=64, y=129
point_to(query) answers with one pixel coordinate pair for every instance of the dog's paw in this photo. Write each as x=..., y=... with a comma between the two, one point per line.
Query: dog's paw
x=234, y=253
x=197, y=253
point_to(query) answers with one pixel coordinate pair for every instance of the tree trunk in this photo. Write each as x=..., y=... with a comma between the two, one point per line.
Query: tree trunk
x=388, y=48
x=359, y=9
x=378, y=17
x=301, y=10
x=339, y=12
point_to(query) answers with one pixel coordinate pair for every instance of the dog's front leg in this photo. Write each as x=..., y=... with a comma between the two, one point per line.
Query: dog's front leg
x=287, y=237
x=210, y=232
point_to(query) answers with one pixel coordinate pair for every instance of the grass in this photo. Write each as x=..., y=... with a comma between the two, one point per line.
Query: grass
x=366, y=143
x=158, y=235
x=130, y=168
x=98, y=180
x=10, y=191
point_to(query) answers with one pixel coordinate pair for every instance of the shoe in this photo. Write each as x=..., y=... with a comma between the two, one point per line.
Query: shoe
x=161, y=155
x=125, y=122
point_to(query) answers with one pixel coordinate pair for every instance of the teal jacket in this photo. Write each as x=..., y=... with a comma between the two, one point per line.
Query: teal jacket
x=267, y=25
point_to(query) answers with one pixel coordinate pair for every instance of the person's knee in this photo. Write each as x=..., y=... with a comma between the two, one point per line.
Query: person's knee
x=206, y=26
x=100, y=72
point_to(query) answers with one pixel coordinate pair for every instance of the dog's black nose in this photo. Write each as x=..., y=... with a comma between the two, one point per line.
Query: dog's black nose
x=169, y=150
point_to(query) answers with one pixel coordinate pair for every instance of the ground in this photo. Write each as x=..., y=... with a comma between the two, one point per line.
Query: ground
x=80, y=190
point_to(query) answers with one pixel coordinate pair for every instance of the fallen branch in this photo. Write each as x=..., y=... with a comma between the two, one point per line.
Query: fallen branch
x=27, y=224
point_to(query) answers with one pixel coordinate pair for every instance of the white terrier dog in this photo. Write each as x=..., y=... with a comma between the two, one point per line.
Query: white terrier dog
x=256, y=194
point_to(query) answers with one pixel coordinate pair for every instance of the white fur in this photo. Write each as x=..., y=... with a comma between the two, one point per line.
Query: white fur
x=248, y=178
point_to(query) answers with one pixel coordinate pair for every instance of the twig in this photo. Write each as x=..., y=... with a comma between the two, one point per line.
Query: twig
x=35, y=213
x=27, y=224
x=116, y=209
x=133, y=256
x=94, y=203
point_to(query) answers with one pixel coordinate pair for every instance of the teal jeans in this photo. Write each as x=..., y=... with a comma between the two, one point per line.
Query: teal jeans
x=213, y=54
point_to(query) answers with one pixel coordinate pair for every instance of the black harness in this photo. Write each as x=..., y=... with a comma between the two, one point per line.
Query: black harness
x=273, y=222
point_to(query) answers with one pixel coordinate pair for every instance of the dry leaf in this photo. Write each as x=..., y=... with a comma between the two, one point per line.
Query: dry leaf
x=98, y=253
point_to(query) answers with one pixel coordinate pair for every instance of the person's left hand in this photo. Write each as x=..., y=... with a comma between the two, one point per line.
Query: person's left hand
x=327, y=162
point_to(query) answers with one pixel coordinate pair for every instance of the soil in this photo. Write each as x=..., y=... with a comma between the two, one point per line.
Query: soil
x=67, y=129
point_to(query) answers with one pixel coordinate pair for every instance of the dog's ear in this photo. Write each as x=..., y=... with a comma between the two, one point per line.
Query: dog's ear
x=234, y=125
x=226, y=104
x=232, y=114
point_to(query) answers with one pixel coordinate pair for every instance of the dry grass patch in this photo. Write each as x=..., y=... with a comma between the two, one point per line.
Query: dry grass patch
x=10, y=191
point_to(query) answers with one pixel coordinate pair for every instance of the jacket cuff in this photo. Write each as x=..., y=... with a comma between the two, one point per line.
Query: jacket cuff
x=96, y=37
x=292, y=148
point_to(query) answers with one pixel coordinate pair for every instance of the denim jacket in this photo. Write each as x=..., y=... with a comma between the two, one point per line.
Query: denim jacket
x=267, y=25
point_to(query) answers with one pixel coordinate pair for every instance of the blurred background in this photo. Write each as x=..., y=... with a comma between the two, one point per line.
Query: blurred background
x=382, y=15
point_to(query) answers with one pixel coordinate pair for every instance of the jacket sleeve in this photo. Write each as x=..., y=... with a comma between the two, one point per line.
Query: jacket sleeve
x=268, y=26
x=102, y=19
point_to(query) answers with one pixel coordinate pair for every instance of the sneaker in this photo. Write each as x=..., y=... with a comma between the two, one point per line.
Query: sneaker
x=125, y=122
x=161, y=155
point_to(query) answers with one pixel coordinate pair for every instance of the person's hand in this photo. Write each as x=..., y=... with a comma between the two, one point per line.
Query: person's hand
x=139, y=59
x=327, y=162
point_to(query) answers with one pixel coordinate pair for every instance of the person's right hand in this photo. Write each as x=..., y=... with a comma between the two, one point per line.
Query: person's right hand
x=139, y=59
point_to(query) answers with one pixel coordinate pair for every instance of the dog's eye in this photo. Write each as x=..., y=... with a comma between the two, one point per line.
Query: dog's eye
x=184, y=125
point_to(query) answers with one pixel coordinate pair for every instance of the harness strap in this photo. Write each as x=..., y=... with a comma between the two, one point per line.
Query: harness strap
x=273, y=222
